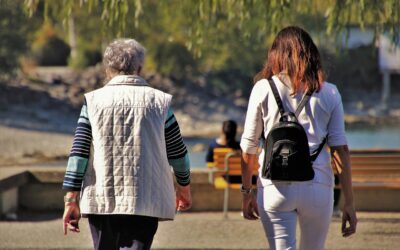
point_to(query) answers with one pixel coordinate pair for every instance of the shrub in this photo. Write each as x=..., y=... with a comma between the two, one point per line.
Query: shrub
x=54, y=52
x=174, y=60
x=85, y=58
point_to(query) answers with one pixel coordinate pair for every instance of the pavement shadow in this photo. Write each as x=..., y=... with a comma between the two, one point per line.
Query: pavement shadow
x=33, y=216
x=381, y=220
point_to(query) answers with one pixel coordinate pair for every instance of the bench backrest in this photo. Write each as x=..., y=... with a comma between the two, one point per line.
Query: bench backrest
x=233, y=161
x=371, y=163
x=375, y=162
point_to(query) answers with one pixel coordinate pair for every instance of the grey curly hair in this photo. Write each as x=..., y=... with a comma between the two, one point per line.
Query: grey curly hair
x=124, y=56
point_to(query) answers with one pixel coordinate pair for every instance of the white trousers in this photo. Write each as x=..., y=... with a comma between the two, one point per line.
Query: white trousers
x=282, y=203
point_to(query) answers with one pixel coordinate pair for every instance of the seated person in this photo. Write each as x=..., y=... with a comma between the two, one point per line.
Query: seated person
x=227, y=139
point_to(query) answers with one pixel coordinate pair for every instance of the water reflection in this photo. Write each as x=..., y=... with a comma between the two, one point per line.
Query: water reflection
x=374, y=137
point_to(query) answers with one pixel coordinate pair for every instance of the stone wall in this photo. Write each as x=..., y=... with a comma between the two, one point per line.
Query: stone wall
x=42, y=192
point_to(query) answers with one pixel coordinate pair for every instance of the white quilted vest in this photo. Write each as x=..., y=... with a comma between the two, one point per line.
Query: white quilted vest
x=129, y=173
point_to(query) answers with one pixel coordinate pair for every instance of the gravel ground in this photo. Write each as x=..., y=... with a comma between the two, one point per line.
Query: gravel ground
x=196, y=231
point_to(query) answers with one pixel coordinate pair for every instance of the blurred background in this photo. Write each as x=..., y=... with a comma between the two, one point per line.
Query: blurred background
x=205, y=53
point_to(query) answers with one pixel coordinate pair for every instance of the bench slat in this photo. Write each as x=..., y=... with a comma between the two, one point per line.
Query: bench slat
x=234, y=167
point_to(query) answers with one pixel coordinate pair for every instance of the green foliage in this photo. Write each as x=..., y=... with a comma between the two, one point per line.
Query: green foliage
x=85, y=58
x=54, y=52
x=174, y=60
x=12, y=35
x=224, y=40
x=202, y=15
x=381, y=16
x=48, y=49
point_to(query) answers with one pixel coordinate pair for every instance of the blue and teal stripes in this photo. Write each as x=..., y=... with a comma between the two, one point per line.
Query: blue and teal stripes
x=75, y=172
x=78, y=160
x=177, y=153
x=80, y=151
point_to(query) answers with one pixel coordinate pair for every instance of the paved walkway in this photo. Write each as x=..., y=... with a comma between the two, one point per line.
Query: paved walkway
x=196, y=231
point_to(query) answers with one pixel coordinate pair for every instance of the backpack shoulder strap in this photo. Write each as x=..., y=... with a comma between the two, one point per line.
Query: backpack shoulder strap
x=303, y=102
x=315, y=154
x=276, y=95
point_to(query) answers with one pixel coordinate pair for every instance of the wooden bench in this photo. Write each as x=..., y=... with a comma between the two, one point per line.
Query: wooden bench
x=375, y=168
x=225, y=168
x=371, y=169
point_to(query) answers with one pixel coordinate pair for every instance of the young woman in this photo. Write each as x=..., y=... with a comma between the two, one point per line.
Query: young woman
x=294, y=65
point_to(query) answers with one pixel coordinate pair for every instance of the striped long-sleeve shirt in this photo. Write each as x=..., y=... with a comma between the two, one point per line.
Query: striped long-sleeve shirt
x=78, y=160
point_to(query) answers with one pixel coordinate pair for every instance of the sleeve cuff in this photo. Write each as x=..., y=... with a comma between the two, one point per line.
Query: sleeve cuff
x=66, y=188
x=248, y=149
x=183, y=184
x=337, y=141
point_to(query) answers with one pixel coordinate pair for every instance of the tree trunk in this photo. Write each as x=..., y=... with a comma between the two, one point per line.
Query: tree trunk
x=72, y=37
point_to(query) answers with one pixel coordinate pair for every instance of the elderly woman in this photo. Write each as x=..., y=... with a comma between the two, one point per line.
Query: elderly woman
x=127, y=187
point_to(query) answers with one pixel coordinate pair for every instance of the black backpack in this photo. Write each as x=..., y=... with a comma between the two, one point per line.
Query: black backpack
x=286, y=152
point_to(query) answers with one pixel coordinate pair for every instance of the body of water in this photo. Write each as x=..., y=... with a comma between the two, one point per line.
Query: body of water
x=358, y=138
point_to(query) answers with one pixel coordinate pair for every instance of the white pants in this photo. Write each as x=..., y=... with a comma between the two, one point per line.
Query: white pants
x=281, y=203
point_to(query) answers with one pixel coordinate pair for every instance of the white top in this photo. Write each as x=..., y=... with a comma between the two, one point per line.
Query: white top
x=322, y=116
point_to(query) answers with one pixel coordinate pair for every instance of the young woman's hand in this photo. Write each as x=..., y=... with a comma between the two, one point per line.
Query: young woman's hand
x=249, y=207
x=349, y=215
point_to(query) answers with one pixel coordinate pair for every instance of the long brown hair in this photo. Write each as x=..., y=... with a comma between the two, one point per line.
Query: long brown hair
x=229, y=128
x=294, y=52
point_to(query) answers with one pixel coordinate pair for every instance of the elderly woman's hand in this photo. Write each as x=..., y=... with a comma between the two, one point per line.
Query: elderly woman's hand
x=72, y=213
x=183, y=198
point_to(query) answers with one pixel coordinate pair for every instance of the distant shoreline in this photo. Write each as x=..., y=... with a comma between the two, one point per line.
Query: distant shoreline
x=370, y=121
